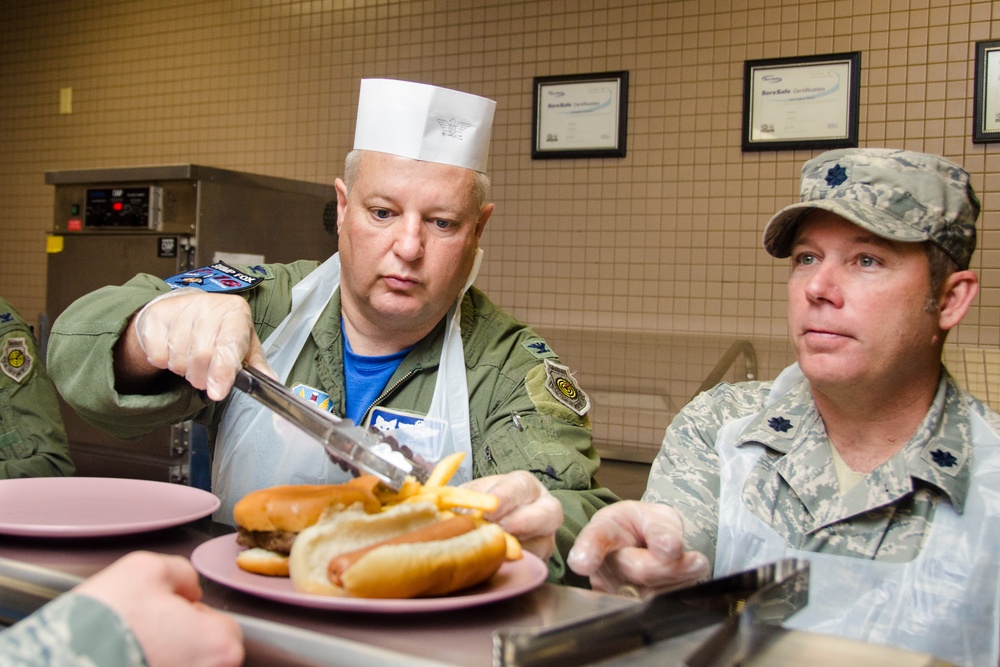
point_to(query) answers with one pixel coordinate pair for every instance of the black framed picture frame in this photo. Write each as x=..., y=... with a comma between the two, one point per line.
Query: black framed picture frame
x=580, y=116
x=801, y=103
x=986, y=114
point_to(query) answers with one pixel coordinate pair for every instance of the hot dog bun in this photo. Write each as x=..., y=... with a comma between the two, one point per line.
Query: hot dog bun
x=399, y=570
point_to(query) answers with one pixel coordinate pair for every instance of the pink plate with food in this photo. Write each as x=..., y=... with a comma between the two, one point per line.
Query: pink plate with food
x=216, y=560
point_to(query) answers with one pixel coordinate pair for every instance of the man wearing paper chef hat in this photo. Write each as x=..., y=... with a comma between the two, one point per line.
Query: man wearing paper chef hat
x=388, y=332
x=865, y=457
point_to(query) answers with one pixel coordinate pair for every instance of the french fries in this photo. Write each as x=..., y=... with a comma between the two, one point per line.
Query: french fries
x=449, y=498
x=445, y=470
x=513, y=547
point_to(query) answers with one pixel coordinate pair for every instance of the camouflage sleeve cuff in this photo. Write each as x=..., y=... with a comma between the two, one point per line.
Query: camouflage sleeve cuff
x=73, y=631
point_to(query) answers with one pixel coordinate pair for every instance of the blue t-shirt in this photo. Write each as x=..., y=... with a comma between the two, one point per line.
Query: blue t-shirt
x=366, y=377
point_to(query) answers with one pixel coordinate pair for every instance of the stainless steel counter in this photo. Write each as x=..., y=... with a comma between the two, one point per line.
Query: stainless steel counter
x=33, y=571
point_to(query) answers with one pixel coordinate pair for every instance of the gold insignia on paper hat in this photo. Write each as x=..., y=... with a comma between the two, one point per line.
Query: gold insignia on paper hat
x=424, y=122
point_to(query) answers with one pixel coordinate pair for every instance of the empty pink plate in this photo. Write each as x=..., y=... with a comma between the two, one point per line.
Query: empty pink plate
x=97, y=506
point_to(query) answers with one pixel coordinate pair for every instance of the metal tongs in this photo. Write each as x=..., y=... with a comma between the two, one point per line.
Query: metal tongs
x=370, y=452
x=750, y=606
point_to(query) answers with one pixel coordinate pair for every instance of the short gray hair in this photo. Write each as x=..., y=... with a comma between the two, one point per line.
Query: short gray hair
x=481, y=186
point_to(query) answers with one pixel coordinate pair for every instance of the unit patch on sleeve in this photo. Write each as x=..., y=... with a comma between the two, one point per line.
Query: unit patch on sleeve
x=562, y=385
x=219, y=277
x=16, y=362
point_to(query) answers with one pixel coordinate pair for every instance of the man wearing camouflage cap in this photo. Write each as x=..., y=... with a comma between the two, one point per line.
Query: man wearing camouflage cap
x=865, y=457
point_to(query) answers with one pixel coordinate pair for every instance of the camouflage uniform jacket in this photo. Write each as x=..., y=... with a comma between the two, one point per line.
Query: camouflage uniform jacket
x=506, y=374
x=71, y=631
x=32, y=437
x=793, y=487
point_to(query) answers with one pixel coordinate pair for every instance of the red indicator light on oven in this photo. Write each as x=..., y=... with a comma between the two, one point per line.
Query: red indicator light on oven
x=117, y=206
x=74, y=224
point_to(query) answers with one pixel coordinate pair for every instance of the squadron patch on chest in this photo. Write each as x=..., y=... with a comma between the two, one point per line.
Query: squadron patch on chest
x=16, y=361
x=320, y=398
x=424, y=435
x=385, y=419
x=563, y=387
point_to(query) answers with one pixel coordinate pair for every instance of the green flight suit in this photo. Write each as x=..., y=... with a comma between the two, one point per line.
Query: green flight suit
x=32, y=437
x=516, y=423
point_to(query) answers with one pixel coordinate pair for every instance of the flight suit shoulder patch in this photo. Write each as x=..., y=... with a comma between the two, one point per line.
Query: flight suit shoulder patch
x=219, y=277
x=15, y=359
x=553, y=388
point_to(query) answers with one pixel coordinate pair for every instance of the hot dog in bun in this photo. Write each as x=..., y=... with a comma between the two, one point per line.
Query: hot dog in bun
x=374, y=555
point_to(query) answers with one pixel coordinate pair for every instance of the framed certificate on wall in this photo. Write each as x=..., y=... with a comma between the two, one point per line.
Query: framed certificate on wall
x=580, y=115
x=796, y=103
x=986, y=115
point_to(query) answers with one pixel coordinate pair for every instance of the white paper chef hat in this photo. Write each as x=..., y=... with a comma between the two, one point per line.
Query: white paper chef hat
x=424, y=122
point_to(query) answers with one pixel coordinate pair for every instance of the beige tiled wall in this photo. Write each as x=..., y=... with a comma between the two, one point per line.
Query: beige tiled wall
x=665, y=240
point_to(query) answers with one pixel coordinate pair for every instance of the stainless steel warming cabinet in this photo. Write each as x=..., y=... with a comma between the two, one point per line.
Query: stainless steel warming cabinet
x=111, y=224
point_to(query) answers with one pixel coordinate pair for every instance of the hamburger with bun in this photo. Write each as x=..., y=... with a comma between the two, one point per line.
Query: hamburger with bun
x=268, y=520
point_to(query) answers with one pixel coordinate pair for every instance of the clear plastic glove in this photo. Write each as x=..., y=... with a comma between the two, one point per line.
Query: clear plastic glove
x=636, y=548
x=201, y=336
x=157, y=597
x=527, y=510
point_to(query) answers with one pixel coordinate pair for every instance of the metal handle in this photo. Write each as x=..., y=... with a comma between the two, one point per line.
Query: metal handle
x=368, y=452
x=762, y=596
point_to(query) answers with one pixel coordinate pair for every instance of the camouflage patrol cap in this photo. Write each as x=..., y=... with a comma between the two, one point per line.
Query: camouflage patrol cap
x=896, y=194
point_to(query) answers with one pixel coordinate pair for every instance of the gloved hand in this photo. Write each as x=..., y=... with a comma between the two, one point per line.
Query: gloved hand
x=157, y=596
x=201, y=336
x=636, y=545
x=527, y=510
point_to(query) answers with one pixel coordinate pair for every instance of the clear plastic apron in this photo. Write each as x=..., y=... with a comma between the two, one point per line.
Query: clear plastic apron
x=255, y=449
x=944, y=602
